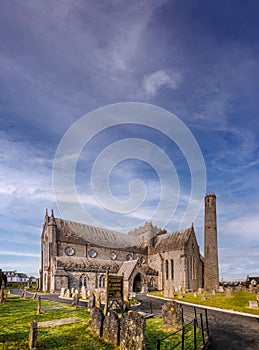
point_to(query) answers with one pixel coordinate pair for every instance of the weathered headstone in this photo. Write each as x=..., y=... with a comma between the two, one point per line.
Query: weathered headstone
x=62, y=292
x=132, y=331
x=97, y=298
x=251, y=288
x=111, y=328
x=91, y=302
x=180, y=294
x=253, y=304
x=199, y=290
x=213, y=292
x=171, y=315
x=228, y=293
x=75, y=300
x=83, y=292
x=33, y=335
x=67, y=293
x=96, y=321
x=203, y=297
x=195, y=294
x=221, y=289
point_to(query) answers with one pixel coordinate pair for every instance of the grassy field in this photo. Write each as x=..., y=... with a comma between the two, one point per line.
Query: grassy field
x=16, y=315
x=237, y=302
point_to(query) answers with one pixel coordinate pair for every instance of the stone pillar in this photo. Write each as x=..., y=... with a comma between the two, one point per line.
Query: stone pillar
x=211, y=270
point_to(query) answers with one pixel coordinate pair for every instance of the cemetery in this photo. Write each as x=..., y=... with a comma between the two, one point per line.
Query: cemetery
x=57, y=326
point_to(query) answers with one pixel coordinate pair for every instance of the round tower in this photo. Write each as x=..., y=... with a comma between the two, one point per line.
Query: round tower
x=211, y=269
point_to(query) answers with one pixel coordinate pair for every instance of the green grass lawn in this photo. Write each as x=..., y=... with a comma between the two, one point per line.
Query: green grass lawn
x=237, y=302
x=17, y=313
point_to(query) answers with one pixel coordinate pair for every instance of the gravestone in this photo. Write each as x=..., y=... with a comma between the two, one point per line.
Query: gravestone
x=171, y=315
x=228, y=293
x=213, y=292
x=251, y=288
x=83, y=292
x=67, y=293
x=203, y=297
x=62, y=292
x=199, y=290
x=221, y=289
x=75, y=300
x=96, y=321
x=132, y=331
x=91, y=302
x=195, y=294
x=253, y=304
x=97, y=298
x=111, y=328
x=180, y=293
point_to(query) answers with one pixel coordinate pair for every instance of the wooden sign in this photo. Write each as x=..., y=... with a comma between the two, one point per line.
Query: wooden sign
x=115, y=287
x=114, y=292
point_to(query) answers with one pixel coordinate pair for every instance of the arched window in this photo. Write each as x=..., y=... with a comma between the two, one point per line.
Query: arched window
x=172, y=269
x=166, y=269
x=152, y=282
x=102, y=281
x=83, y=281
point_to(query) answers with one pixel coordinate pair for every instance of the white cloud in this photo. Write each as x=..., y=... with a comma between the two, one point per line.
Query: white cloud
x=161, y=78
x=16, y=253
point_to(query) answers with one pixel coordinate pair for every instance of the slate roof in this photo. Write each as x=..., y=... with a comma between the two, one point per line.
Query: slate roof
x=127, y=268
x=96, y=235
x=174, y=240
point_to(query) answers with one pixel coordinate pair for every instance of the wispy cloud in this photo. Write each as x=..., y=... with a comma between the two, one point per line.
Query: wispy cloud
x=153, y=82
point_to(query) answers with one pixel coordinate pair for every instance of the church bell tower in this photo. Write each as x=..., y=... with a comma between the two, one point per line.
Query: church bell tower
x=211, y=269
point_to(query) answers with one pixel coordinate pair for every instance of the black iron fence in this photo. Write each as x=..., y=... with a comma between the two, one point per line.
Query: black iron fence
x=193, y=332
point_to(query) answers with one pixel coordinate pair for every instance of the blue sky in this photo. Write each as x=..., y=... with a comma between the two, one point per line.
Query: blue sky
x=197, y=59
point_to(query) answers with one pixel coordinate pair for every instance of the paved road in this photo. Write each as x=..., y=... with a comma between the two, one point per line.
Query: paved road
x=228, y=331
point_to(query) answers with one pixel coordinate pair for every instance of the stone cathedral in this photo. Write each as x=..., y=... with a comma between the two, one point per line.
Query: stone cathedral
x=75, y=255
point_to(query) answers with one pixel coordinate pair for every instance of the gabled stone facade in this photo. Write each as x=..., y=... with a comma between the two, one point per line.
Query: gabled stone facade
x=75, y=255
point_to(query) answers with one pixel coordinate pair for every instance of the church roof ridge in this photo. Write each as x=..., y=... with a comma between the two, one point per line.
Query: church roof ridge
x=98, y=235
x=175, y=239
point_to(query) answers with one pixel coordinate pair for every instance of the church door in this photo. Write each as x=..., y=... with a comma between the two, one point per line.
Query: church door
x=137, y=283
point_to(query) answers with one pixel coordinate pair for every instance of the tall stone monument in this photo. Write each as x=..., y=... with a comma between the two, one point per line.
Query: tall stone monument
x=211, y=269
